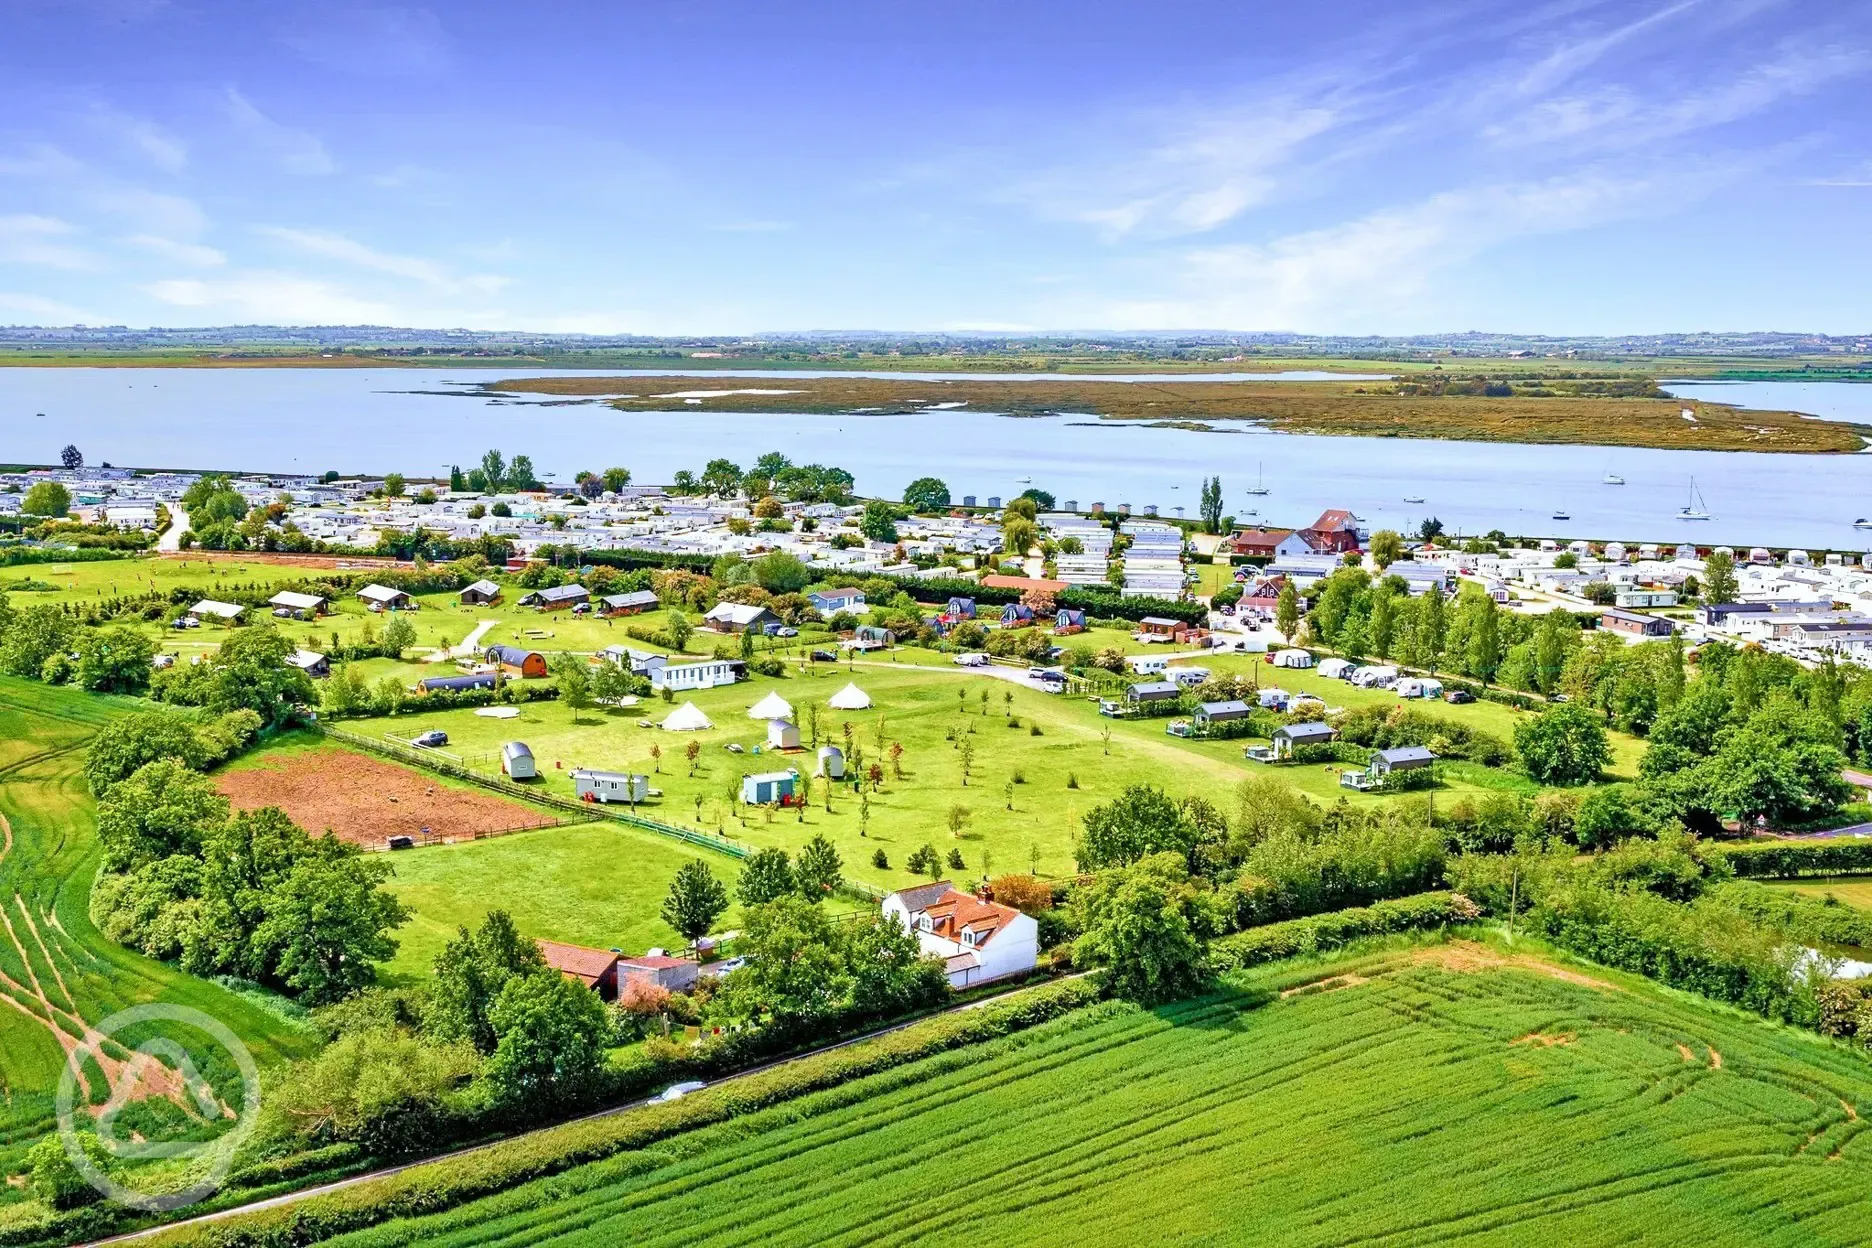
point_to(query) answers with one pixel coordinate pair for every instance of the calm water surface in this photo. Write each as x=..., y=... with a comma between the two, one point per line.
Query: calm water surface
x=375, y=420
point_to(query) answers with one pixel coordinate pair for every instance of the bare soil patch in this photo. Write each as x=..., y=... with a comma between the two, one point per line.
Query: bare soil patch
x=367, y=800
x=1541, y=1040
x=1467, y=956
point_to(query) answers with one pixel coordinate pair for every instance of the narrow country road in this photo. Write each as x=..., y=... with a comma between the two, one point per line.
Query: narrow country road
x=172, y=536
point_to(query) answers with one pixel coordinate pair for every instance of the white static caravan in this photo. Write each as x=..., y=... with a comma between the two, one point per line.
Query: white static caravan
x=1147, y=664
x=708, y=674
x=610, y=786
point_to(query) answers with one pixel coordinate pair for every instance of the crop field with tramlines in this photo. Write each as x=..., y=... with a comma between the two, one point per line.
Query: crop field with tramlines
x=58, y=975
x=1420, y=1095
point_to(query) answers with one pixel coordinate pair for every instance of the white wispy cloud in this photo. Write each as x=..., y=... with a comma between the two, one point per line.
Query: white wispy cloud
x=268, y=297
x=149, y=212
x=38, y=310
x=1186, y=172
x=1570, y=57
x=296, y=151
x=160, y=146
x=1367, y=271
x=330, y=246
x=1617, y=114
x=40, y=160
x=174, y=251
x=27, y=238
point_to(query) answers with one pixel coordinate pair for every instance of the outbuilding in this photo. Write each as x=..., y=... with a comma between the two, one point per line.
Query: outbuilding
x=208, y=608
x=1635, y=625
x=1401, y=758
x=768, y=788
x=1208, y=713
x=831, y=762
x=298, y=605
x=317, y=666
x=1145, y=692
x=517, y=761
x=610, y=786
x=782, y=734
x=480, y=594
x=738, y=617
x=557, y=597
x=529, y=664
x=384, y=598
x=633, y=603
x=1288, y=737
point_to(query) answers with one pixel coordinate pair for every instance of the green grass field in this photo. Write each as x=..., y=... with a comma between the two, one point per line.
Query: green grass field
x=1420, y=1095
x=56, y=969
x=598, y=884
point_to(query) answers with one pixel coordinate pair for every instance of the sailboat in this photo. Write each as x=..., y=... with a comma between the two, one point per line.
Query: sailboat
x=1413, y=498
x=1611, y=478
x=1695, y=510
x=1561, y=513
x=1258, y=488
x=1862, y=523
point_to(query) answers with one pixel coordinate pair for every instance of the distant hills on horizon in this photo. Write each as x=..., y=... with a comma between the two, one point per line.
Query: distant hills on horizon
x=1203, y=344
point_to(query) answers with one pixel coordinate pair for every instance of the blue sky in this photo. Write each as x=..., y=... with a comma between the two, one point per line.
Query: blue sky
x=708, y=167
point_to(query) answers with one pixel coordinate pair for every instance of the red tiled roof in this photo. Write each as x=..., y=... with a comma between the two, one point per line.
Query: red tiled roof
x=958, y=911
x=588, y=965
x=1333, y=520
x=996, y=581
x=658, y=962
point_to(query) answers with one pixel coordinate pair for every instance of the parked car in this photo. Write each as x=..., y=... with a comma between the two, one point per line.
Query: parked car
x=786, y=630
x=824, y=656
x=402, y=842
x=1456, y=697
x=973, y=658
x=431, y=739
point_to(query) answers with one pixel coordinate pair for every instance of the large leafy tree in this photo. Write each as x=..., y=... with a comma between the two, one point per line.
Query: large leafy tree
x=767, y=874
x=162, y=808
x=138, y=739
x=878, y=523
x=1563, y=745
x=796, y=964
x=328, y=921
x=114, y=660
x=818, y=871
x=471, y=972
x=926, y=494
x=1142, y=821
x=47, y=498
x=552, y=1033
x=1719, y=577
x=33, y=636
x=1137, y=923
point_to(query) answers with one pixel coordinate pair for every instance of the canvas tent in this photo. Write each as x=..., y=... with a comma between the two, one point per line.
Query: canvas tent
x=773, y=706
x=850, y=698
x=687, y=718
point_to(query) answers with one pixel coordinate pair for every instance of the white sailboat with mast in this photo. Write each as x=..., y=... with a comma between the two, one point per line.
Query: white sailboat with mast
x=1695, y=509
x=1258, y=488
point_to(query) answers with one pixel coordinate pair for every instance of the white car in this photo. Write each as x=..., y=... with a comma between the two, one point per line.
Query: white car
x=676, y=1091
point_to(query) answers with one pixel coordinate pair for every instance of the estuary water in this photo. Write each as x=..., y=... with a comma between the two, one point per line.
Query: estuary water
x=420, y=420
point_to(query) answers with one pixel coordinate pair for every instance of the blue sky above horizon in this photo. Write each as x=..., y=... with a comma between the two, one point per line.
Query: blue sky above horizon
x=696, y=166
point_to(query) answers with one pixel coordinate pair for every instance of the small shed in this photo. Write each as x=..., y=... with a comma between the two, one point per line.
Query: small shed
x=1401, y=758
x=1288, y=736
x=769, y=787
x=517, y=761
x=610, y=786
x=480, y=594
x=831, y=762
x=1153, y=691
x=782, y=734
x=530, y=664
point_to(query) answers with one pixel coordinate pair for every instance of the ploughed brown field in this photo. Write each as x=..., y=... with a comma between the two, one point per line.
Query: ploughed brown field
x=366, y=800
x=1365, y=409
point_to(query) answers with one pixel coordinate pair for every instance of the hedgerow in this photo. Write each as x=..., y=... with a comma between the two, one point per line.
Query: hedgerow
x=1787, y=860
x=1329, y=931
x=435, y=1186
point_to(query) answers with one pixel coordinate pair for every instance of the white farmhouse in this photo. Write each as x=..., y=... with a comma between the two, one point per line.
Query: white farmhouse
x=977, y=940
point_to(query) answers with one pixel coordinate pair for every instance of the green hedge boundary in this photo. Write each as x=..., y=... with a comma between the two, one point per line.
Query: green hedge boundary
x=1789, y=860
x=1323, y=932
x=435, y=1186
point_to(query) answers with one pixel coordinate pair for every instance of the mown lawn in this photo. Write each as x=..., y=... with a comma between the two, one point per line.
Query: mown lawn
x=597, y=884
x=1424, y=1094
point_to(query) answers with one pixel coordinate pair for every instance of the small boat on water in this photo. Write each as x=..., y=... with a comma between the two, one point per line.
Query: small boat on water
x=1258, y=487
x=1695, y=509
x=1862, y=523
x=1413, y=499
x=1251, y=512
x=1612, y=478
x=1561, y=513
